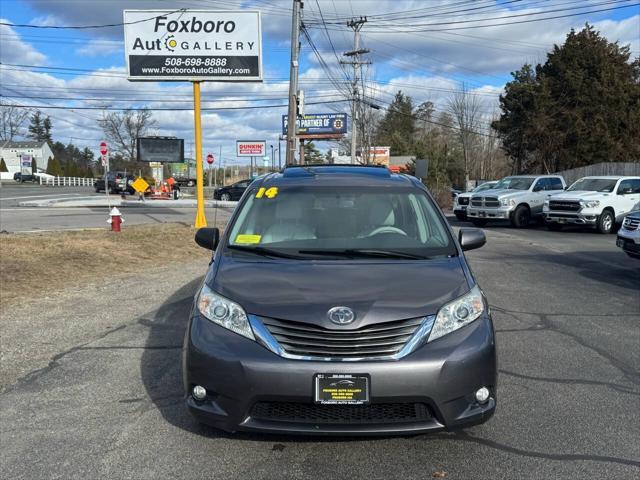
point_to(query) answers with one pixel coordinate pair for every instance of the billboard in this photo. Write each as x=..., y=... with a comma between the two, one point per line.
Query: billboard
x=160, y=149
x=193, y=45
x=379, y=155
x=319, y=124
x=26, y=164
x=251, y=148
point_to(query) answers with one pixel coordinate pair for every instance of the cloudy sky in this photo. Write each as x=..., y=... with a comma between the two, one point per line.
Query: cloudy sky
x=427, y=48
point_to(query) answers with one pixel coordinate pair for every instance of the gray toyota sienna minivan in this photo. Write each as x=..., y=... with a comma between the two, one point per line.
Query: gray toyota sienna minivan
x=339, y=301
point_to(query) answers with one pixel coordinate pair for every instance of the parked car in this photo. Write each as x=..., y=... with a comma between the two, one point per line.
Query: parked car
x=119, y=182
x=516, y=199
x=629, y=234
x=185, y=181
x=601, y=202
x=231, y=192
x=461, y=201
x=20, y=178
x=339, y=301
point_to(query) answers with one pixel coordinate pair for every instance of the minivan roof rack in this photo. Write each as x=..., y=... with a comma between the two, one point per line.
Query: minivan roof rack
x=315, y=165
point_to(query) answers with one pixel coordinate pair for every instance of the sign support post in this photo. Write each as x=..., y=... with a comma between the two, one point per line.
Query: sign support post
x=201, y=220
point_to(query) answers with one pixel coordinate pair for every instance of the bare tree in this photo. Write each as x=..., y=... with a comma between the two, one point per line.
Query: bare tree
x=465, y=109
x=12, y=119
x=122, y=130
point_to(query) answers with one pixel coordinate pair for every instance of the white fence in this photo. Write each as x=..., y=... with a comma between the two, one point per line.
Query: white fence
x=67, y=181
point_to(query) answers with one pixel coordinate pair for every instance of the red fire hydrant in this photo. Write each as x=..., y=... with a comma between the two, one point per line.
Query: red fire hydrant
x=115, y=219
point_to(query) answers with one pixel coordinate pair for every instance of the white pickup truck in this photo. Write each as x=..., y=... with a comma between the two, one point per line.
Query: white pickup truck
x=601, y=202
x=516, y=199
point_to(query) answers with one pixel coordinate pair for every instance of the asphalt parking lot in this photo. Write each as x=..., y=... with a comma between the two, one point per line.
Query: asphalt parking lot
x=107, y=403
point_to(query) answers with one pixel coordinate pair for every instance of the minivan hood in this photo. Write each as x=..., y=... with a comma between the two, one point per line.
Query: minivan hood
x=304, y=291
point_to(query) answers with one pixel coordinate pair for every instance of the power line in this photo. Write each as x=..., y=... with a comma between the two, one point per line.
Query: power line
x=86, y=27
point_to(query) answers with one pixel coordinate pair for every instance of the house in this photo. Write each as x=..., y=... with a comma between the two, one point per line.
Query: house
x=11, y=150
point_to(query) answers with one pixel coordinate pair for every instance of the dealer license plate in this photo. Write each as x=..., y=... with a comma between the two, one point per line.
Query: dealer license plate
x=333, y=388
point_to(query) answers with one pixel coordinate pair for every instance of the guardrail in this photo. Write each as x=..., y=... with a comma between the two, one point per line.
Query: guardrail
x=67, y=181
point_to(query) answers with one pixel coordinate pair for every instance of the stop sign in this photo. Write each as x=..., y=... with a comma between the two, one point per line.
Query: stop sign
x=210, y=159
x=103, y=148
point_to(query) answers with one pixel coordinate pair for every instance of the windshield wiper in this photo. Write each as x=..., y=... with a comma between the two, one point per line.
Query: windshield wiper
x=267, y=252
x=364, y=252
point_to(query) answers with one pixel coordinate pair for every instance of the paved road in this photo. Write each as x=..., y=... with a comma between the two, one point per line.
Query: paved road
x=14, y=218
x=108, y=405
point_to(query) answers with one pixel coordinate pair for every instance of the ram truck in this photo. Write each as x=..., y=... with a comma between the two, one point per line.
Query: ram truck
x=516, y=199
x=600, y=202
x=629, y=234
x=461, y=200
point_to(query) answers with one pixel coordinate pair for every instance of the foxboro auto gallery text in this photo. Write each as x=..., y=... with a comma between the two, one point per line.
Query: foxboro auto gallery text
x=192, y=26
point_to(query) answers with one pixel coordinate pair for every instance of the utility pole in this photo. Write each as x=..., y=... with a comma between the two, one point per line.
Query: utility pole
x=293, y=81
x=356, y=26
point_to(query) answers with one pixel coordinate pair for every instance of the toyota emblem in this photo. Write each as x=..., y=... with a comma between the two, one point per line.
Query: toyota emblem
x=341, y=315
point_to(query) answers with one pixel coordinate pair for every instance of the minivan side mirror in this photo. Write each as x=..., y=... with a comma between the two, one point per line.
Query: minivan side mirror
x=208, y=238
x=471, y=238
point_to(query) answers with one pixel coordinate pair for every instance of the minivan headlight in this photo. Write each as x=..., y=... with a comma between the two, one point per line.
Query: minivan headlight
x=457, y=314
x=224, y=312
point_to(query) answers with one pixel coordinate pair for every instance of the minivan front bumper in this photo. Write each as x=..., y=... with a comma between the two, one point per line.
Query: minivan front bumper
x=249, y=388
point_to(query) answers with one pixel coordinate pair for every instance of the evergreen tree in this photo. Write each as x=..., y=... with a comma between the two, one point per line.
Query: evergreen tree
x=397, y=127
x=312, y=154
x=582, y=106
x=36, y=127
x=46, y=130
x=3, y=166
x=54, y=167
x=34, y=166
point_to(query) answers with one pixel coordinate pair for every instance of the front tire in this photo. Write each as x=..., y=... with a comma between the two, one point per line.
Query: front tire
x=521, y=217
x=461, y=216
x=606, y=222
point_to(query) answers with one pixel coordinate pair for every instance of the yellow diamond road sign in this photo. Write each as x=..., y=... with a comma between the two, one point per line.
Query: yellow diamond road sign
x=140, y=185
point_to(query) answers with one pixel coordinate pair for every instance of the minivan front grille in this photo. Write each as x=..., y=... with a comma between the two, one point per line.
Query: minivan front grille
x=379, y=340
x=631, y=223
x=376, y=413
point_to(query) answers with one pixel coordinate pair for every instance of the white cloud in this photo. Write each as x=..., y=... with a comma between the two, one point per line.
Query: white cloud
x=99, y=47
x=15, y=50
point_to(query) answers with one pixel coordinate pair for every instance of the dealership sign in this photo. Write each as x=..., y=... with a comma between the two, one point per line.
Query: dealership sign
x=380, y=155
x=160, y=149
x=193, y=45
x=319, y=124
x=26, y=164
x=251, y=148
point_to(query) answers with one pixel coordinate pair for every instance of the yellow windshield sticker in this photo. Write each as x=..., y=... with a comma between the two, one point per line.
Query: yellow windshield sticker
x=271, y=192
x=244, y=238
x=267, y=192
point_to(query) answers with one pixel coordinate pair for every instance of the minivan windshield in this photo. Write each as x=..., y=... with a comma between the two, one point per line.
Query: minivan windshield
x=514, y=183
x=605, y=185
x=353, y=222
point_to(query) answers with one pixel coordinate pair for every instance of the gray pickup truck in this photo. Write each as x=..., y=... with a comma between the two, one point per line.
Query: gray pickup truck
x=516, y=199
